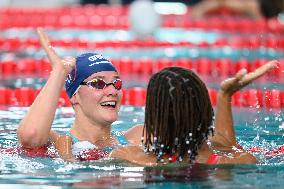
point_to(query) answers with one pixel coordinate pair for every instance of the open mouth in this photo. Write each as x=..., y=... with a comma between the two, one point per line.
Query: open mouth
x=109, y=104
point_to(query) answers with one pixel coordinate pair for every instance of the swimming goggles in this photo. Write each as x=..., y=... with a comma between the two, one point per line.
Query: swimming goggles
x=98, y=83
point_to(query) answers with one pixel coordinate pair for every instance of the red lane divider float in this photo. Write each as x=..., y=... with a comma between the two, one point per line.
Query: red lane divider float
x=137, y=96
x=273, y=98
x=25, y=66
x=145, y=67
x=259, y=98
x=275, y=42
x=267, y=153
x=95, y=154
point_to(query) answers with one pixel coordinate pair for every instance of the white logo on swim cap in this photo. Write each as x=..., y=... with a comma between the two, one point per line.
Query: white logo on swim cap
x=95, y=57
x=98, y=57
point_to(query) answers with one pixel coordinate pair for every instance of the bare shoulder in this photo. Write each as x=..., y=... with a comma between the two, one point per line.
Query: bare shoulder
x=59, y=140
x=134, y=134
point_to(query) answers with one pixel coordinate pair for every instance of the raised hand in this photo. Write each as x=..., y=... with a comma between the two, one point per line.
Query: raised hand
x=242, y=78
x=224, y=125
x=57, y=62
x=34, y=129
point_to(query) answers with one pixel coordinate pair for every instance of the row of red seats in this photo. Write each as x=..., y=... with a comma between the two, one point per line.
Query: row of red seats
x=137, y=96
x=229, y=24
x=65, y=21
x=146, y=67
x=107, y=17
x=89, y=9
x=275, y=42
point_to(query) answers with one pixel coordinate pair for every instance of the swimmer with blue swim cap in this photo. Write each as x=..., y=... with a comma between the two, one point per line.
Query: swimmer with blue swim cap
x=94, y=88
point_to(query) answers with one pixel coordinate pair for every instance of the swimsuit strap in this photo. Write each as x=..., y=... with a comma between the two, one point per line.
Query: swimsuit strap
x=120, y=137
x=74, y=139
x=213, y=159
x=121, y=140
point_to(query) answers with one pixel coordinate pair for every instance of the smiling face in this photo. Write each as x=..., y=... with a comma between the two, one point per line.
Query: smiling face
x=99, y=106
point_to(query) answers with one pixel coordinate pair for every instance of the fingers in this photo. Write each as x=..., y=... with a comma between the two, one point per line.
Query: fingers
x=259, y=72
x=242, y=78
x=230, y=82
x=69, y=62
x=66, y=65
x=45, y=43
x=240, y=74
x=43, y=38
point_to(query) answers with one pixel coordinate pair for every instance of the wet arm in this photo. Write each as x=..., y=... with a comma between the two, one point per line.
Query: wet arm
x=204, y=7
x=34, y=128
x=238, y=158
x=134, y=154
x=245, y=7
x=224, y=125
x=134, y=134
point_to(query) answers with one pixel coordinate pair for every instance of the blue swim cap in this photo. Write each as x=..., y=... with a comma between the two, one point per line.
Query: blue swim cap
x=86, y=65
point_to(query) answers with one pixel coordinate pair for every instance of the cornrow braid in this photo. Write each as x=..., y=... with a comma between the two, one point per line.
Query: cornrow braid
x=178, y=114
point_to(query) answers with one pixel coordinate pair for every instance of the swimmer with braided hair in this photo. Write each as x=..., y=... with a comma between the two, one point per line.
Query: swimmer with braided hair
x=179, y=120
x=187, y=120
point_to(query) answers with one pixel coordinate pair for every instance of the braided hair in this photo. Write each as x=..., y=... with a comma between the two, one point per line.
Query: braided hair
x=178, y=114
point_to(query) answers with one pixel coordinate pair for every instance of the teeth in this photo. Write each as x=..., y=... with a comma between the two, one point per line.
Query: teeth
x=108, y=104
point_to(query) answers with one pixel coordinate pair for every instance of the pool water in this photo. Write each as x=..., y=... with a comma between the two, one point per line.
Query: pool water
x=255, y=127
x=260, y=128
